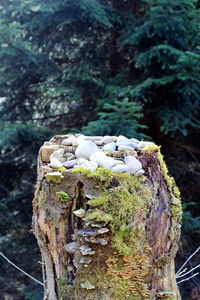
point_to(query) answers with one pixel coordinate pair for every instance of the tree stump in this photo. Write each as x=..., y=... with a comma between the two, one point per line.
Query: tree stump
x=106, y=235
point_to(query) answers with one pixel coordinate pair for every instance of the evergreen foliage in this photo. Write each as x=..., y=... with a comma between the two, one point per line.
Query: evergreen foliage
x=20, y=67
x=119, y=118
x=102, y=67
x=167, y=44
x=19, y=145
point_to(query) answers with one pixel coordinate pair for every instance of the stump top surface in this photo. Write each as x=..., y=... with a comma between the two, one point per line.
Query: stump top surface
x=119, y=154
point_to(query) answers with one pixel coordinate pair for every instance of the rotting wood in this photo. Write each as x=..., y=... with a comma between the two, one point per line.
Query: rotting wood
x=129, y=231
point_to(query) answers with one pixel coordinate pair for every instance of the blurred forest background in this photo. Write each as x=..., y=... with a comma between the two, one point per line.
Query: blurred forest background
x=99, y=67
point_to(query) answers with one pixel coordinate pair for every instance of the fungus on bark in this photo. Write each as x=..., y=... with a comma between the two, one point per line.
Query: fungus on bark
x=106, y=235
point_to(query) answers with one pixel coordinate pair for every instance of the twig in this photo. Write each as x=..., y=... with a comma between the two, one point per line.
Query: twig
x=187, y=261
x=183, y=274
x=20, y=269
x=188, y=278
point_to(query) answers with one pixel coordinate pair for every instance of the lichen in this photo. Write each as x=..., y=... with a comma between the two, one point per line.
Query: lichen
x=62, y=196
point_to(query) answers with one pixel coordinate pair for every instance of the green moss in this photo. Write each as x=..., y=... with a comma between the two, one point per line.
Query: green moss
x=120, y=203
x=123, y=203
x=97, y=201
x=121, y=291
x=55, y=177
x=82, y=171
x=123, y=196
x=108, y=153
x=176, y=209
x=64, y=197
x=119, y=241
x=64, y=290
x=151, y=147
x=99, y=216
x=105, y=284
x=124, y=199
x=63, y=170
x=101, y=174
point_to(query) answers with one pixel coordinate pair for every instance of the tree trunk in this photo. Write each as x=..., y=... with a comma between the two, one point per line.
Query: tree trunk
x=107, y=235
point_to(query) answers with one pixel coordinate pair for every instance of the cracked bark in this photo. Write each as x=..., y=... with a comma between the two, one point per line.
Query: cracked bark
x=146, y=273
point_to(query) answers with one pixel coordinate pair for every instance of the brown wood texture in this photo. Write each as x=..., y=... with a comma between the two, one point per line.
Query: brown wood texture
x=134, y=260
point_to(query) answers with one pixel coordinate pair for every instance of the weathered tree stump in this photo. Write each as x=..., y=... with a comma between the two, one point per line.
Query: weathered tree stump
x=106, y=235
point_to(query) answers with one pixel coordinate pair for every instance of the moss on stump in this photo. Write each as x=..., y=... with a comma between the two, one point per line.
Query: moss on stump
x=123, y=244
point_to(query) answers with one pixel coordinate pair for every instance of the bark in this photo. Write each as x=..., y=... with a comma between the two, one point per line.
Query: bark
x=124, y=245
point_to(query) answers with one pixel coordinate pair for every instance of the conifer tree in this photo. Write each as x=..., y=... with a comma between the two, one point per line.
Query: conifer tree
x=166, y=45
x=118, y=118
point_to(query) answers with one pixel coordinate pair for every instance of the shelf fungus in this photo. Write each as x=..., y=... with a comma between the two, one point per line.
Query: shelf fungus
x=64, y=197
x=55, y=177
x=90, y=196
x=86, y=250
x=71, y=247
x=91, y=233
x=79, y=213
x=165, y=295
x=85, y=260
x=100, y=241
x=95, y=224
